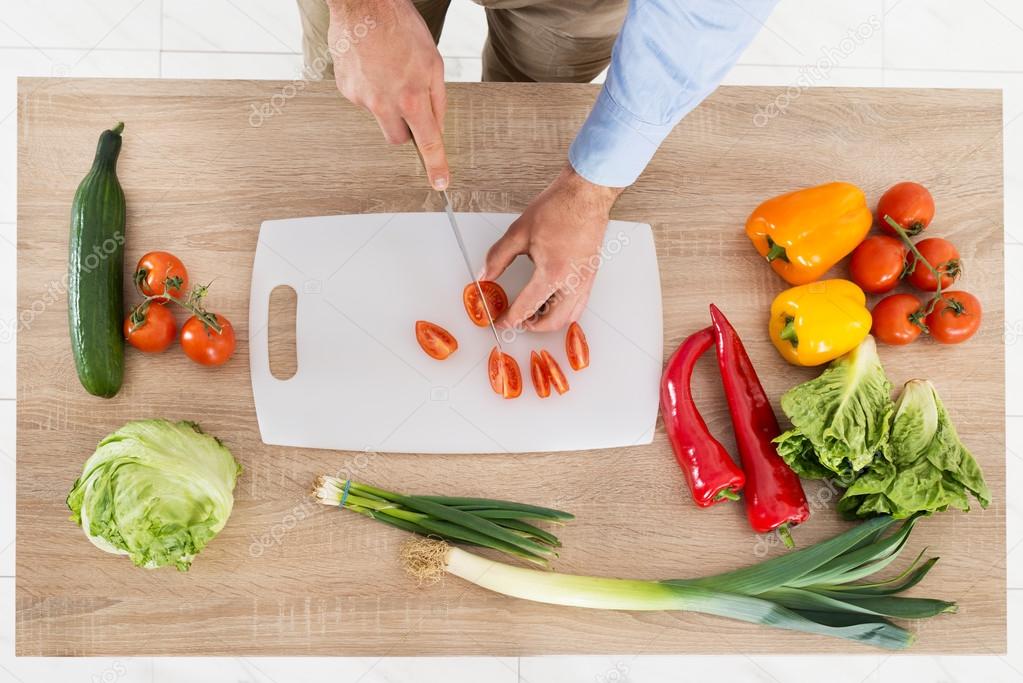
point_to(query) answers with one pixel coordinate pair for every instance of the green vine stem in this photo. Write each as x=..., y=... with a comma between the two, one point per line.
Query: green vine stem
x=925, y=310
x=193, y=303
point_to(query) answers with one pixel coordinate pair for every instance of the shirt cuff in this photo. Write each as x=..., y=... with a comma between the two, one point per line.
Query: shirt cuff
x=613, y=146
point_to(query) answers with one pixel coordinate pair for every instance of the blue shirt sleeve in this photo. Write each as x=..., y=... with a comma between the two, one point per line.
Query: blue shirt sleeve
x=669, y=56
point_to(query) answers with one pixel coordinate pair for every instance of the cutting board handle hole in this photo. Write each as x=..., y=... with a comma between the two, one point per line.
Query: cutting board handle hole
x=281, y=332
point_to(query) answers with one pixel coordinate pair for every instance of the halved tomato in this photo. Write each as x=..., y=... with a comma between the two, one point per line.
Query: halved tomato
x=505, y=377
x=435, y=340
x=554, y=372
x=497, y=302
x=538, y=370
x=576, y=348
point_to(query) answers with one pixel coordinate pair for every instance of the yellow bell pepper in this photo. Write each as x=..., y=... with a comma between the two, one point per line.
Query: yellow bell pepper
x=815, y=323
x=803, y=233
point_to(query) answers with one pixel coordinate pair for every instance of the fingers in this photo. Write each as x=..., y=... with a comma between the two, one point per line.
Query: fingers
x=532, y=297
x=393, y=126
x=439, y=96
x=428, y=139
x=565, y=307
x=503, y=252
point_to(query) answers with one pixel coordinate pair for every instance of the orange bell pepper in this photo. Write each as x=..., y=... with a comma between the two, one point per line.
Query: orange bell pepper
x=803, y=233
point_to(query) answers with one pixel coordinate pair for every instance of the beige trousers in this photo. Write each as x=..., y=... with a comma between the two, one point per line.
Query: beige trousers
x=561, y=41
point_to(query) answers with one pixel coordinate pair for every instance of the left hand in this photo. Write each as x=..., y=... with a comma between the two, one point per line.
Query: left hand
x=561, y=231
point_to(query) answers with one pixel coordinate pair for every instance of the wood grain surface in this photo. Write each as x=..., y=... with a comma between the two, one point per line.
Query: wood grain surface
x=203, y=164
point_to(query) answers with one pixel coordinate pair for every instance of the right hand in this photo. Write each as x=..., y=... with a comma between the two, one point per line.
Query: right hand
x=395, y=72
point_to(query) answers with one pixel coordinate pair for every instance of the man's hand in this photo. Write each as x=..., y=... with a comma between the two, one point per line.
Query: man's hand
x=395, y=72
x=562, y=231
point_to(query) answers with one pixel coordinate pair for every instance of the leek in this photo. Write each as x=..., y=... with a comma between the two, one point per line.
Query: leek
x=483, y=522
x=809, y=590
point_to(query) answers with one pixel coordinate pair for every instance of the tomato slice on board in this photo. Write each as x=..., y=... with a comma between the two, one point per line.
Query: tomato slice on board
x=576, y=348
x=497, y=302
x=554, y=373
x=505, y=377
x=538, y=370
x=435, y=340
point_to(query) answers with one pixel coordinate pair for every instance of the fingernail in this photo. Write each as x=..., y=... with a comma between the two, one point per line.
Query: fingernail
x=481, y=273
x=440, y=183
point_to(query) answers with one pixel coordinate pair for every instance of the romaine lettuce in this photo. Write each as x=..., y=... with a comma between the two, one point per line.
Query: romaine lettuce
x=840, y=419
x=925, y=468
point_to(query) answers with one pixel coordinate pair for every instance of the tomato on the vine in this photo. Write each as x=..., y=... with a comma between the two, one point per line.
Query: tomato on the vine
x=160, y=272
x=908, y=204
x=877, y=263
x=896, y=319
x=955, y=318
x=943, y=257
x=203, y=344
x=150, y=327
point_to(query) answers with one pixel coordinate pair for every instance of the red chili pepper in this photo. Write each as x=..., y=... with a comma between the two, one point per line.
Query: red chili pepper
x=774, y=496
x=710, y=471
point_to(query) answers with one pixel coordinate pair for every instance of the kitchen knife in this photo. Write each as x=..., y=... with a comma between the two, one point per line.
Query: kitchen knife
x=468, y=265
x=465, y=253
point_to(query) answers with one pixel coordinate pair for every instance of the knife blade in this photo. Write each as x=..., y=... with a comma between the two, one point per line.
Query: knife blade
x=468, y=265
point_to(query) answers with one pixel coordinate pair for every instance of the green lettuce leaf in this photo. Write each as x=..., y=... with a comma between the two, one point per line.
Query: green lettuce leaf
x=156, y=491
x=927, y=469
x=840, y=419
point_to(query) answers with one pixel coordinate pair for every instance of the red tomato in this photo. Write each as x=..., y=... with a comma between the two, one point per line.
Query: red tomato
x=157, y=270
x=909, y=204
x=893, y=319
x=554, y=372
x=205, y=345
x=876, y=265
x=576, y=348
x=943, y=256
x=955, y=318
x=435, y=340
x=541, y=380
x=497, y=301
x=505, y=377
x=150, y=327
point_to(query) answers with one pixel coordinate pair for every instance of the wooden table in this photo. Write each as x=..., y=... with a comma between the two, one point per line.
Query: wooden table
x=201, y=170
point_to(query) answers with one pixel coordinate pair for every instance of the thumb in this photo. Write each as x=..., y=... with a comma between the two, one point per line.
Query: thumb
x=503, y=252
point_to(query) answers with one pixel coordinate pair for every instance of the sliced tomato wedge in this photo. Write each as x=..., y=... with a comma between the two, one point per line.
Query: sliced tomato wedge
x=436, y=341
x=576, y=348
x=505, y=377
x=538, y=371
x=554, y=373
x=497, y=301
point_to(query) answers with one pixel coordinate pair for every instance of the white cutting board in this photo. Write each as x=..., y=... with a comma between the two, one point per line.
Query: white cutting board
x=363, y=383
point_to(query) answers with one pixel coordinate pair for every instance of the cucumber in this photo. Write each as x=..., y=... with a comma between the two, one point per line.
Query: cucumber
x=96, y=271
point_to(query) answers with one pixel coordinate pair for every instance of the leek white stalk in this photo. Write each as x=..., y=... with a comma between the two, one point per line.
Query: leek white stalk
x=554, y=588
x=810, y=590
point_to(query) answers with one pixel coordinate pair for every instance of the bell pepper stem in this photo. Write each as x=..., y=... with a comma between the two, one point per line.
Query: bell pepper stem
x=788, y=333
x=775, y=251
x=726, y=494
x=786, y=536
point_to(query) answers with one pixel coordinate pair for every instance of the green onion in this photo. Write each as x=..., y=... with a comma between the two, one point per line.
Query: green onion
x=809, y=590
x=482, y=522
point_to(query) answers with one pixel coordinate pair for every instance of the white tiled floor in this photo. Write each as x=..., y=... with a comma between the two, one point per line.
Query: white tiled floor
x=871, y=43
